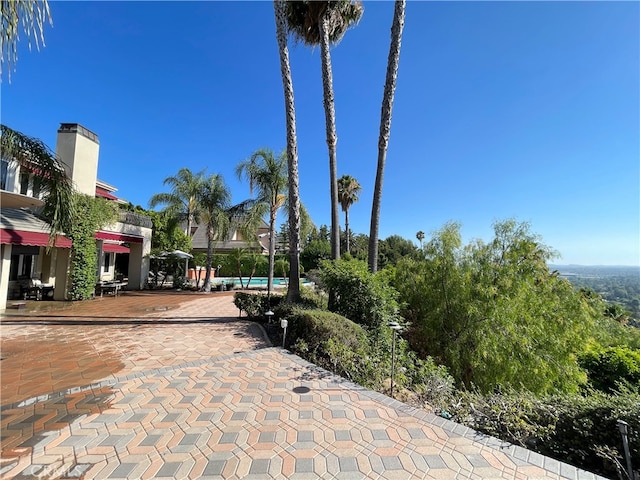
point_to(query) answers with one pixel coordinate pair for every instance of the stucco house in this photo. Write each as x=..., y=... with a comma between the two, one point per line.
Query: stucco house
x=122, y=248
x=236, y=240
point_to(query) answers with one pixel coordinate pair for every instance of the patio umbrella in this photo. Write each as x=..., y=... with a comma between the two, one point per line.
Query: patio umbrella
x=180, y=254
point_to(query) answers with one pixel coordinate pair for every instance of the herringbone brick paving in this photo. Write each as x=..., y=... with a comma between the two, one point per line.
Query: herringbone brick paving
x=175, y=386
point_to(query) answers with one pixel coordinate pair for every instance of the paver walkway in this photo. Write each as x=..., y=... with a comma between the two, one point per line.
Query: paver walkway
x=155, y=385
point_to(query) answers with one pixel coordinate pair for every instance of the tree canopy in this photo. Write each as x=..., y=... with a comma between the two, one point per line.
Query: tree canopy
x=493, y=313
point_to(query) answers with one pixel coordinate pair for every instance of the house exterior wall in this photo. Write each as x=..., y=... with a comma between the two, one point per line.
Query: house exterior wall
x=78, y=150
x=5, y=265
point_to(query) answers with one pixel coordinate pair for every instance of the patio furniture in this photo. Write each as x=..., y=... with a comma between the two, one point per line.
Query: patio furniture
x=34, y=288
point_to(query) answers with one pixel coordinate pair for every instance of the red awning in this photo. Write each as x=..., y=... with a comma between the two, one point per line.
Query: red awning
x=101, y=192
x=115, y=248
x=38, y=239
x=118, y=237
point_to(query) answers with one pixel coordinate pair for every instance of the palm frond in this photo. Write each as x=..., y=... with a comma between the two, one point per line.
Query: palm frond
x=49, y=176
x=32, y=16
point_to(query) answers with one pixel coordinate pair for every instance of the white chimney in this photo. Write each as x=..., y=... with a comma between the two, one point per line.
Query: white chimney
x=78, y=148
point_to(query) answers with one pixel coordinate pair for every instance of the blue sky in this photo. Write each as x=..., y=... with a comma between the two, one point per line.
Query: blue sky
x=528, y=110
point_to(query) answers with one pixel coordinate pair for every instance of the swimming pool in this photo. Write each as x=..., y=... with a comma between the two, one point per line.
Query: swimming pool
x=257, y=281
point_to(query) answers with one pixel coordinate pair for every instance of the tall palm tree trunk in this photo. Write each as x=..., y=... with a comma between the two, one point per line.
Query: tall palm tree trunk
x=332, y=137
x=272, y=248
x=293, y=293
x=385, y=127
x=346, y=229
x=207, y=275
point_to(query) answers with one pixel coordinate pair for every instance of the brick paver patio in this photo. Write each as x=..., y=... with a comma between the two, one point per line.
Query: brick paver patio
x=155, y=385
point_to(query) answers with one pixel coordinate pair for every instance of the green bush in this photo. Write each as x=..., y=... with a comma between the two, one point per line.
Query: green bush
x=608, y=366
x=255, y=305
x=363, y=356
x=333, y=342
x=363, y=297
x=578, y=429
x=587, y=426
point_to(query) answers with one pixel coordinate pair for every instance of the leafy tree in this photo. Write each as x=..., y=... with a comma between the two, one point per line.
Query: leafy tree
x=393, y=248
x=322, y=23
x=420, y=237
x=385, y=127
x=493, y=313
x=293, y=293
x=32, y=15
x=348, y=190
x=267, y=174
x=314, y=252
x=607, y=367
x=49, y=178
x=166, y=233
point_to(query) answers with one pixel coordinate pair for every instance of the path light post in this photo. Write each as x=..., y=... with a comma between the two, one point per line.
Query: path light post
x=624, y=431
x=395, y=326
x=284, y=323
x=269, y=315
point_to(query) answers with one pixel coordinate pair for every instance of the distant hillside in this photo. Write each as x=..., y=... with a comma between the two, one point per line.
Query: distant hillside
x=616, y=284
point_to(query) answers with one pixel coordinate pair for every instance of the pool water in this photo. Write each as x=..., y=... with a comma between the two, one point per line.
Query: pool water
x=258, y=281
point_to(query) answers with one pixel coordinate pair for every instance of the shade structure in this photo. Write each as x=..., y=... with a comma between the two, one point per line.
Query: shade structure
x=38, y=239
x=115, y=248
x=101, y=192
x=175, y=253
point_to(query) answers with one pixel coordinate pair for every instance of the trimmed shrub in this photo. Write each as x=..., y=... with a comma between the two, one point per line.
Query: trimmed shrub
x=255, y=305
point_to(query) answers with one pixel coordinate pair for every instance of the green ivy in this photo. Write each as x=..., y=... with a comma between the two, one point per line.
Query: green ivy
x=90, y=214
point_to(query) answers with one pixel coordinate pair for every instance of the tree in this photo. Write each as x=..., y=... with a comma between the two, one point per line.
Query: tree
x=393, y=248
x=322, y=23
x=268, y=175
x=49, y=178
x=182, y=201
x=493, y=313
x=385, y=128
x=348, y=190
x=420, y=237
x=221, y=217
x=32, y=14
x=293, y=293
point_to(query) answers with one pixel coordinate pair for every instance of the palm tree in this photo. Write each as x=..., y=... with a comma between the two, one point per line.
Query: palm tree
x=32, y=14
x=348, y=190
x=293, y=293
x=222, y=218
x=182, y=201
x=385, y=127
x=268, y=175
x=49, y=178
x=420, y=237
x=322, y=23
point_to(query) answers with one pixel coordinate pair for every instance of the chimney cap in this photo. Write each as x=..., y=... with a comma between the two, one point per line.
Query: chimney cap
x=77, y=128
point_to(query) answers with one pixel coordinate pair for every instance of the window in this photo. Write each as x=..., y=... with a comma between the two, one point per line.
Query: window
x=107, y=261
x=4, y=173
x=24, y=183
x=21, y=266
